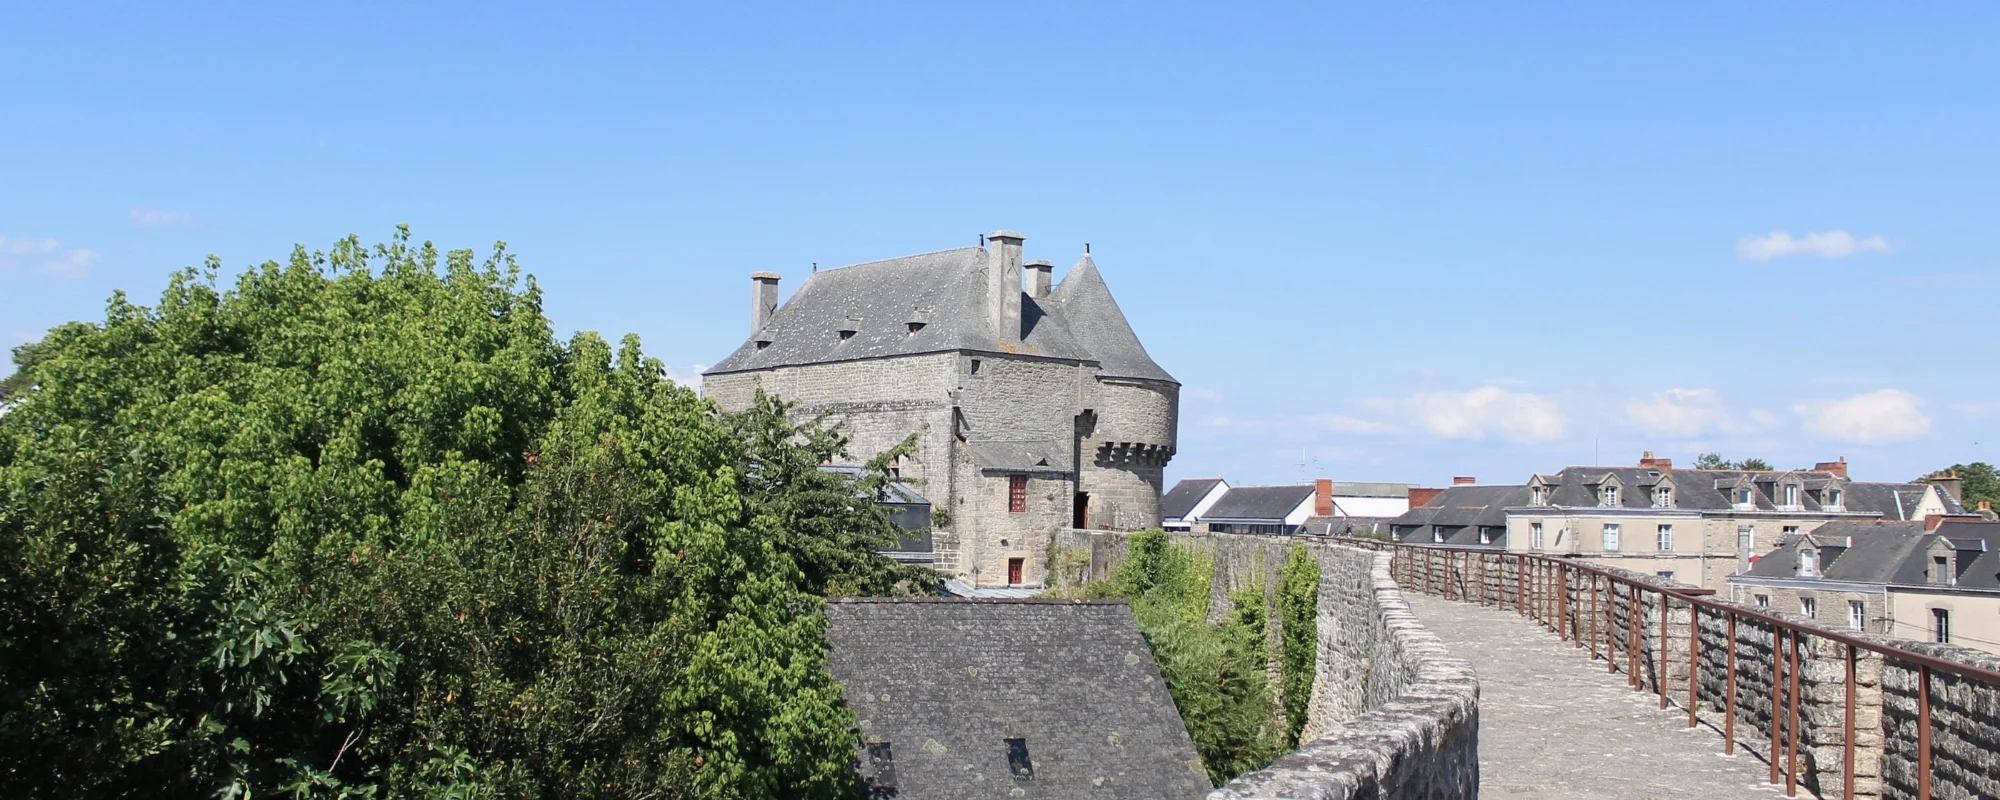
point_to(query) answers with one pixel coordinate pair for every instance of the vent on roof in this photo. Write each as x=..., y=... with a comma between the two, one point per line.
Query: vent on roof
x=846, y=335
x=763, y=343
x=916, y=326
x=1017, y=760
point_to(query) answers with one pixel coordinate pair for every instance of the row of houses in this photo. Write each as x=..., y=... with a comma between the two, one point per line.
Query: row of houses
x=1905, y=559
x=1321, y=507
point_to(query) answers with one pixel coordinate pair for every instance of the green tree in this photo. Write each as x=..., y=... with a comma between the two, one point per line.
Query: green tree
x=359, y=525
x=1977, y=481
x=1716, y=461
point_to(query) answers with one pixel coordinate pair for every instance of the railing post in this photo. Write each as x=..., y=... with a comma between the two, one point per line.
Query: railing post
x=1635, y=616
x=1729, y=688
x=1923, y=732
x=1847, y=739
x=1792, y=724
x=1660, y=680
x=1520, y=583
x=1777, y=686
x=1694, y=660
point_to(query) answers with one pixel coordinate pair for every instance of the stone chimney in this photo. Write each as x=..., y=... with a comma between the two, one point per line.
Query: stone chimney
x=763, y=299
x=1003, y=285
x=1986, y=511
x=1951, y=484
x=1039, y=274
x=1464, y=480
x=1323, y=498
x=1838, y=468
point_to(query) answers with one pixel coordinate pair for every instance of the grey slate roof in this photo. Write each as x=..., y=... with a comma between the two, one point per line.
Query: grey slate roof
x=1269, y=503
x=946, y=682
x=1181, y=499
x=1461, y=511
x=1370, y=489
x=1097, y=322
x=946, y=292
x=1889, y=553
x=1025, y=456
x=1709, y=489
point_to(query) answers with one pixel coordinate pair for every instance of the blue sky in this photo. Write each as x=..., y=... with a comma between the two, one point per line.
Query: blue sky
x=1387, y=242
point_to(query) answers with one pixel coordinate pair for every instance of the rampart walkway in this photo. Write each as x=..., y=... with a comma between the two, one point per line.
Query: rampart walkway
x=1553, y=723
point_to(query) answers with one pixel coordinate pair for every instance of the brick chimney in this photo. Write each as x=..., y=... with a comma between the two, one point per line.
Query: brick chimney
x=1464, y=480
x=1647, y=461
x=1040, y=277
x=1420, y=496
x=1323, y=498
x=1003, y=285
x=1838, y=468
x=763, y=299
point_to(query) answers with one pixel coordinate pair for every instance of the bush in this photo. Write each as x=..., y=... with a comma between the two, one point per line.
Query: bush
x=1298, y=614
x=360, y=526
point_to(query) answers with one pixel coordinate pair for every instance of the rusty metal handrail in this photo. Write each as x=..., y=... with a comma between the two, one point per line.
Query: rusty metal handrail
x=1535, y=595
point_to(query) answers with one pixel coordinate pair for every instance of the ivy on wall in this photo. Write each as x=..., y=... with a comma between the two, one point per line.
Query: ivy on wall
x=1298, y=643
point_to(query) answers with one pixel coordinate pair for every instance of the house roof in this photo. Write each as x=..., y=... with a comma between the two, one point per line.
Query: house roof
x=1022, y=456
x=1181, y=499
x=895, y=492
x=1890, y=553
x=946, y=292
x=1462, y=511
x=946, y=682
x=1710, y=489
x=1258, y=502
x=1369, y=489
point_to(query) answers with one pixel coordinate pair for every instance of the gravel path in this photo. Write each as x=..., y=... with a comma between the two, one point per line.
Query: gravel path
x=1553, y=723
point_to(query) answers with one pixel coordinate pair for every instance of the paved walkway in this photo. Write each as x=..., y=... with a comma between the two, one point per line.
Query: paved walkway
x=1553, y=723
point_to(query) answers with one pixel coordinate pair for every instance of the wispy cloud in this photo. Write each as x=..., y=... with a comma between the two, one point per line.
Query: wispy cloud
x=1885, y=415
x=689, y=377
x=1488, y=410
x=1687, y=413
x=159, y=218
x=45, y=256
x=1828, y=244
x=1340, y=423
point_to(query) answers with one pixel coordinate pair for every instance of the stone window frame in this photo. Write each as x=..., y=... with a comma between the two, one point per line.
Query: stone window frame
x=1607, y=495
x=1940, y=625
x=1857, y=615
x=1809, y=607
x=1663, y=496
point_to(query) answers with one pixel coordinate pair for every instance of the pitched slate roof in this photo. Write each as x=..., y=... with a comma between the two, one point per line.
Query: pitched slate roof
x=1462, y=511
x=1370, y=489
x=945, y=683
x=1710, y=489
x=1889, y=553
x=1181, y=499
x=1258, y=502
x=946, y=292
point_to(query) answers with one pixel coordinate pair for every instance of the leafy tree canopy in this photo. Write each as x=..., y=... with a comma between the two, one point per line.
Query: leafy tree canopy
x=1716, y=461
x=361, y=526
x=1978, y=481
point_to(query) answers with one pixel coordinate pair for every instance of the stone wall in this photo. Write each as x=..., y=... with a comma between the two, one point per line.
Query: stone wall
x=1618, y=615
x=1392, y=714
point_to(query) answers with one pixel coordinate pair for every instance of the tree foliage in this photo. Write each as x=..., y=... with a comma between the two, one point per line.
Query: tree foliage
x=1214, y=671
x=1977, y=481
x=1298, y=646
x=361, y=526
x=1716, y=461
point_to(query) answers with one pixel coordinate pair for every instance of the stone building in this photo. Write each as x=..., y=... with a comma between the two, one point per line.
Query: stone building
x=1034, y=405
x=1936, y=579
x=1008, y=698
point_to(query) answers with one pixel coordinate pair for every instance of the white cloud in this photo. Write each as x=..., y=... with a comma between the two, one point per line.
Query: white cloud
x=1513, y=416
x=690, y=377
x=159, y=218
x=1885, y=415
x=1338, y=423
x=1687, y=413
x=46, y=256
x=1830, y=244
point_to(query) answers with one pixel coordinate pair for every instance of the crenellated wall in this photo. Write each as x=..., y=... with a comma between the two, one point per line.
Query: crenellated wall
x=1392, y=714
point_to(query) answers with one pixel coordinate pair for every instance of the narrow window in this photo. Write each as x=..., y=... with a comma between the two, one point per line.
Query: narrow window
x=1536, y=496
x=1610, y=538
x=1666, y=538
x=1667, y=574
x=1743, y=496
x=1833, y=499
x=846, y=335
x=1535, y=535
x=975, y=366
x=1485, y=535
x=1808, y=564
x=1940, y=570
x=1015, y=568
x=1941, y=625
x=1437, y=534
x=1763, y=601
x=1017, y=760
x=1610, y=495
x=1663, y=497
x=1017, y=494
x=916, y=326
x=1809, y=606
x=1855, y=609
x=1792, y=494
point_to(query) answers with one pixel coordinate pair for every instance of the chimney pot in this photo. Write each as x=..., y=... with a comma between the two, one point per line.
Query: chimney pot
x=1040, y=275
x=1003, y=285
x=1463, y=480
x=763, y=299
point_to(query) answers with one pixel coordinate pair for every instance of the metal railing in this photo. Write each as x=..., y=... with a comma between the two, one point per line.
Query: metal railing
x=1572, y=598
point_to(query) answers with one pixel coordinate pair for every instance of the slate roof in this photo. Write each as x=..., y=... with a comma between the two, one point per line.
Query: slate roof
x=946, y=682
x=1022, y=456
x=1889, y=553
x=1370, y=489
x=946, y=292
x=1181, y=499
x=1462, y=511
x=1270, y=503
x=1709, y=490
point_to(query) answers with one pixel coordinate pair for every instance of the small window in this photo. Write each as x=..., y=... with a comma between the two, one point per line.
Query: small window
x=1789, y=530
x=1017, y=760
x=763, y=343
x=1808, y=563
x=1666, y=538
x=1855, y=612
x=846, y=335
x=916, y=326
x=1535, y=535
x=1940, y=626
x=1809, y=606
x=1743, y=496
x=1792, y=494
x=879, y=770
x=1610, y=538
x=1017, y=494
x=1663, y=497
x=1485, y=535
x=1610, y=495
x=1437, y=534
x=1940, y=570
x=1537, y=496
x=1833, y=499
x=1667, y=574
x=1763, y=601
x=975, y=366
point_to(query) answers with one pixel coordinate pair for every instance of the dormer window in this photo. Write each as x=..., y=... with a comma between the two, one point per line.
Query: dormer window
x=1743, y=497
x=1608, y=496
x=1791, y=495
x=1808, y=563
x=1941, y=571
x=763, y=343
x=846, y=335
x=1833, y=500
x=1663, y=497
x=1538, y=496
x=916, y=326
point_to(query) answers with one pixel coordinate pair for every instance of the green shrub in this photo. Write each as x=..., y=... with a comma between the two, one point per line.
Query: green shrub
x=1298, y=615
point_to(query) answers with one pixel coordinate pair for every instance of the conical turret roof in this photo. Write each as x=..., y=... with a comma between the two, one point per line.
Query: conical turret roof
x=1097, y=323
